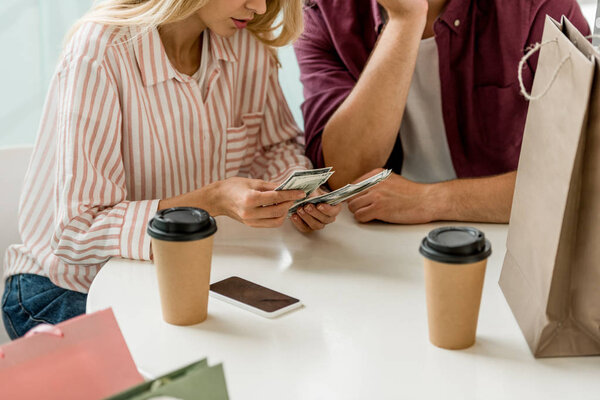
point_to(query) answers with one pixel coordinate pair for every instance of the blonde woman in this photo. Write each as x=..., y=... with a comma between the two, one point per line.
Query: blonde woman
x=154, y=104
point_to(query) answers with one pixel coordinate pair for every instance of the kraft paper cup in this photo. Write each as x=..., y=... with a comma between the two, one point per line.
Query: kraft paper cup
x=455, y=262
x=182, y=242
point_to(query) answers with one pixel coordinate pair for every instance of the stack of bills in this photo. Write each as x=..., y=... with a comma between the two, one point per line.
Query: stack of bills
x=308, y=180
x=304, y=180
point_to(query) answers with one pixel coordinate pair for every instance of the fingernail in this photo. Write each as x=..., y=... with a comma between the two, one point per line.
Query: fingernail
x=300, y=211
x=321, y=207
x=309, y=208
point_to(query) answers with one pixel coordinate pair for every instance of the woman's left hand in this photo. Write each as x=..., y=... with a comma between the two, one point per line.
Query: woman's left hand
x=313, y=217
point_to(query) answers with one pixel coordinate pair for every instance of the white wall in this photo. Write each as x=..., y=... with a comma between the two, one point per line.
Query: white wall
x=589, y=10
x=31, y=33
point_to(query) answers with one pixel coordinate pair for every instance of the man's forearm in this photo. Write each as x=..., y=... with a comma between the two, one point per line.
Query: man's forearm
x=361, y=133
x=480, y=199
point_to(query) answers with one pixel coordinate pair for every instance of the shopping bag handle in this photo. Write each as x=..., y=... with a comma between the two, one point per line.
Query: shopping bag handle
x=160, y=382
x=45, y=329
x=532, y=51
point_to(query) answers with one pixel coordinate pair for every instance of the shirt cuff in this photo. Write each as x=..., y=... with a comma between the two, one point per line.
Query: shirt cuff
x=135, y=242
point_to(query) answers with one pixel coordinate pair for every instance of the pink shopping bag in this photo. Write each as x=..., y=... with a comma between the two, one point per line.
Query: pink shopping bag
x=82, y=358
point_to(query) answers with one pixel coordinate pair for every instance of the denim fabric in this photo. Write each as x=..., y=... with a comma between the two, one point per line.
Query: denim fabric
x=30, y=300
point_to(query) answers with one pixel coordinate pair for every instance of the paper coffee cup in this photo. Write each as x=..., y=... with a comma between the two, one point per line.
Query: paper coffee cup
x=182, y=240
x=455, y=261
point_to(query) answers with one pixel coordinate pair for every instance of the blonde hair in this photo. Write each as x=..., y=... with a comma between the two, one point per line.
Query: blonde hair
x=152, y=13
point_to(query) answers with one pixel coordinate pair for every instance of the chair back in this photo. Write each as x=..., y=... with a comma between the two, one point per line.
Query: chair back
x=13, y=165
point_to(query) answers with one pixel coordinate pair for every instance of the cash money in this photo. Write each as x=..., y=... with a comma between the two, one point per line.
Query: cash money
x=343, y=193
x=307, y=181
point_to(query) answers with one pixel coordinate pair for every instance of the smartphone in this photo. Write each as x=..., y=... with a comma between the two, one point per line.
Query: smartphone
x=252, y=297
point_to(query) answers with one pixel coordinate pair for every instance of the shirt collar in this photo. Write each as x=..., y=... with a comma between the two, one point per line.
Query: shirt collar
x=154, y=63
x=222, y=48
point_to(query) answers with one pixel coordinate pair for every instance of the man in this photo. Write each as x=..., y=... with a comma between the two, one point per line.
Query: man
x=428, y=88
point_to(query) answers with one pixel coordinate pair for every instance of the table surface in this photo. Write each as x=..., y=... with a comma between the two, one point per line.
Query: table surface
x=362, y=333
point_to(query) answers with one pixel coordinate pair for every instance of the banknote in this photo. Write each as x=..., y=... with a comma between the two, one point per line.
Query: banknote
x=307, y=181
x=343, y=193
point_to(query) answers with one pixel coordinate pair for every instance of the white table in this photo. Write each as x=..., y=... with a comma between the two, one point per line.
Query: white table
x=362, y=333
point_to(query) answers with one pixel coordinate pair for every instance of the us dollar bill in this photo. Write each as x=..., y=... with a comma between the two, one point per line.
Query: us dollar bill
x=343, y=193
x=307, y=181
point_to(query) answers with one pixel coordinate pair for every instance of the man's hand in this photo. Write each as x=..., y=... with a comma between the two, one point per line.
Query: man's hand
x=401, y=201
x=312, y=217
x=396, y=200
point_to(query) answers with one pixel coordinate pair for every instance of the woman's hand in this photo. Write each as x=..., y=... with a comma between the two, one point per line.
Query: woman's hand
x=312, y=217
x=255, y=202
x=251, y=201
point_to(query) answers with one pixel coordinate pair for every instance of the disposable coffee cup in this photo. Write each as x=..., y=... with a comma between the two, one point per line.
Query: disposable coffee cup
x=182, y=242
x=455, y=261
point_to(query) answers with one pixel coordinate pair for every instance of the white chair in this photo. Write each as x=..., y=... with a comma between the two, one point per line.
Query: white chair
x=13, y=165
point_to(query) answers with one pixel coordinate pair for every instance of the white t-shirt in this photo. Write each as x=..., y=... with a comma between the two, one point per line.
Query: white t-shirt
x=423, y=135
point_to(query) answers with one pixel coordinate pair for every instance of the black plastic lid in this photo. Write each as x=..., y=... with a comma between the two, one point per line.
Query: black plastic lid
x=456, y=245
x=182, y=224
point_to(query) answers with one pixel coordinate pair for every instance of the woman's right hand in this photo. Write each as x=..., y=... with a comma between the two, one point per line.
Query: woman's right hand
x=251, y=201
x=255, y=202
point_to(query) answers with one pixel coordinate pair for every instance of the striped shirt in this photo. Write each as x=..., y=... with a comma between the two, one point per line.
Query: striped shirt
x=122, y=129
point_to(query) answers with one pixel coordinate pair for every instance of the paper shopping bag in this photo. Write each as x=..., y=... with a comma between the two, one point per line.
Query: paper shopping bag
x=197, y=381
x=82, y=358
x=551, y=272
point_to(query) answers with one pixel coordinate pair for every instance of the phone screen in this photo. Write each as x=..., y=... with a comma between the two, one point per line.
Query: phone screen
x=252, y=294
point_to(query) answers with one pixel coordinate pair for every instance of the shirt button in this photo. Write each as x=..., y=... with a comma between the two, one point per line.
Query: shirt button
x=457, y=22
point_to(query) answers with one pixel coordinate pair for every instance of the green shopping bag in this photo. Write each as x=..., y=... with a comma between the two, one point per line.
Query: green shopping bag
x=197, y=381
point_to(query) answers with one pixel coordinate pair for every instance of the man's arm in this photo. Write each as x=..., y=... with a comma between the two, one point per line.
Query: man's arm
x=486, y=199
x=398, y=200
x=361, y=133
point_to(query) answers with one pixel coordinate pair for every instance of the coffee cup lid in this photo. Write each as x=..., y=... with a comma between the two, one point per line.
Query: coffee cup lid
x=181, y=224
x=456, y=245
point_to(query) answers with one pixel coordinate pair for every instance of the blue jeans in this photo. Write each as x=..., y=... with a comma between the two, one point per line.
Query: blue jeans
x=30, y=300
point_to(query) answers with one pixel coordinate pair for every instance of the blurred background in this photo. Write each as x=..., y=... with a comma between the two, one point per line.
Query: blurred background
x=31, y=33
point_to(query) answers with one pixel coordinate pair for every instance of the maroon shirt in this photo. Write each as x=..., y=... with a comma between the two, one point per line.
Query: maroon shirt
x=480, y=44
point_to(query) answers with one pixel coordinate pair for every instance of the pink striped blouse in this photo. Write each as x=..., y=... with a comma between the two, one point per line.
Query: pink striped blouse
x=122, y=128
